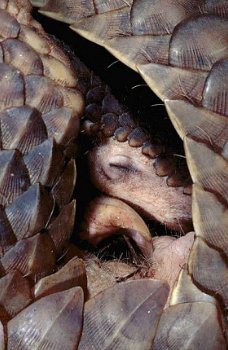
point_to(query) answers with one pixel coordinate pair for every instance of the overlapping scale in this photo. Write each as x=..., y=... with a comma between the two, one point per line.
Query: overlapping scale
x=205, y=262
x=121, y=134
x=187, y=292
x=109, y=5
x=42, y=94
x=195, y=76
x=174, y=83
x=72, y=274
x=215, y=95
x=58, y=72
x=73, y=99
x=53, y=322
x=200, y=319
x=105, y=26
x=211, y=221
x=214, y=173
x=55, y=51
x=11, y=87
x=60, y=228
x=218, y=7
x=145, y=49
x=196, y=45
x=165, y=165
x=22, y=128
x=63, y=189
x=34, y=257
x=30, y=212
x=200, y=123
x=111, y=105
x=22, y=56
x=32, y=156
x=68, y=11
x=34, y=39
x=160, y=17
x=153, y=150
x=137, y=137
x=130, y=44
x=7, y=237
x=9, y=27
x=14, y=177
x=188, y=85
x=15, y=293
x=112, y=318
x=45, y=162
x=61, y=124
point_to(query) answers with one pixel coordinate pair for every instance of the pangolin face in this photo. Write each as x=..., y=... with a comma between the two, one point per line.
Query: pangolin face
x=124, y=172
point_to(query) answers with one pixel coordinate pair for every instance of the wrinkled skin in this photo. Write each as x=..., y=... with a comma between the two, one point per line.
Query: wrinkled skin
x=124, y=172
x=170, y=256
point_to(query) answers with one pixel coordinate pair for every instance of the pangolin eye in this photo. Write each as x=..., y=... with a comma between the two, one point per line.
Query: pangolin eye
x=122, y=164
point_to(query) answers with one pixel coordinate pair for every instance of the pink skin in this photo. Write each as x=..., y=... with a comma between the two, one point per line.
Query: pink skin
x=170, y=256
x=124, y=172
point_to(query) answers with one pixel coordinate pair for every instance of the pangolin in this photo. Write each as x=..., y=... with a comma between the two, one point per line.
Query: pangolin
x=31, y=249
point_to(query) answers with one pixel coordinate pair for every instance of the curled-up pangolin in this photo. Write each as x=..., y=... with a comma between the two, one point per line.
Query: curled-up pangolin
x=41, y=298
x=42, y=277
x=180, y=48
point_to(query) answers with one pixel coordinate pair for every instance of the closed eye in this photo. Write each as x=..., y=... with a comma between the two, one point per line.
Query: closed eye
x=125, y=167
x=121, y=167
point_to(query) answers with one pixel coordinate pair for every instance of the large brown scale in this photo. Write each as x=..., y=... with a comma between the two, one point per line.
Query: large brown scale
x=180, y=48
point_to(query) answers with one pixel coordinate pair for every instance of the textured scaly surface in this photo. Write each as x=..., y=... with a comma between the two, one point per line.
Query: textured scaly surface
x=180, y=48
x=40, y=110
x=41, y=298
x=36, y=219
